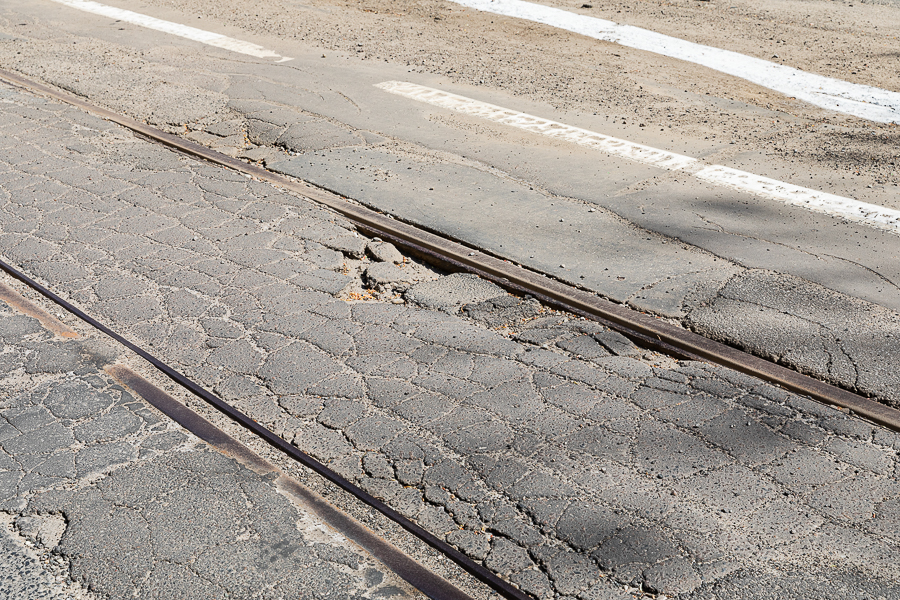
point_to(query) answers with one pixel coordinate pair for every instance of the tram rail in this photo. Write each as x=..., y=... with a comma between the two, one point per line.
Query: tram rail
x=451, y=255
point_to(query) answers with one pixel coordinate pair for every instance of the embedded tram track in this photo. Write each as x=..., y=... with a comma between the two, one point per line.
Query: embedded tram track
x=451, y=255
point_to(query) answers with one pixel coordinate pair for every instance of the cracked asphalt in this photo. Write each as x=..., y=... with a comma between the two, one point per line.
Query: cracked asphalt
x=554, y=451
x=101, y=496
x=810, y=291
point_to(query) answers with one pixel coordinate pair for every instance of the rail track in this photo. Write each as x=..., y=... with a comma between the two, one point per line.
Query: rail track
x=451, y=255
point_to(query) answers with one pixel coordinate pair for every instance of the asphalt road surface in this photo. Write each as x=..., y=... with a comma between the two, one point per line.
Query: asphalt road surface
x=557, y=453
x=561, y=456
x=810, y=290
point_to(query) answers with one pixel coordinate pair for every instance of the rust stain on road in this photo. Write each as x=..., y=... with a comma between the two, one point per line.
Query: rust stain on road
x=51, y=323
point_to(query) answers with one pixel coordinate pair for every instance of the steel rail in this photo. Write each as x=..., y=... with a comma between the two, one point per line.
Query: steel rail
x=483, y=575
x=421, y=578
x=646, y=329
x=432, y=585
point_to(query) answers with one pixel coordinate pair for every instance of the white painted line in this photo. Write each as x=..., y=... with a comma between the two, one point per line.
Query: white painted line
x=192, y=33
x=839, y=206
x=795, y=195
x=866, y=102
x=583, y=137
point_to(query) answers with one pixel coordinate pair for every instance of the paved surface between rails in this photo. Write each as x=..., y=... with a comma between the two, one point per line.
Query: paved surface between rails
x=805, y=289
x=567, y=460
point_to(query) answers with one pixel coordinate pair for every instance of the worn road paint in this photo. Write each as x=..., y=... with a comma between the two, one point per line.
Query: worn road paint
x=192, y=33
x=795, y=195
x=863, y=101
x=583, y=137
x=847, y=208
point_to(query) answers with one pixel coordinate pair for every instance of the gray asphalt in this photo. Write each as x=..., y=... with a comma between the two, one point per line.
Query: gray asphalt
x=553, y=450
x=103, y=497
x=696, y=254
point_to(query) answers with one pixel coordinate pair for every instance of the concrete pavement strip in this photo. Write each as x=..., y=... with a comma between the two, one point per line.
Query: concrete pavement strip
x=563, y=457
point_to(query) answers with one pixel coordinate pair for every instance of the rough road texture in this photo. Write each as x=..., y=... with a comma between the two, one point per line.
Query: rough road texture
x=571, y=72
x=831, y=336
x=320, y=127
x=827, y=334
x=102, y=497
x=564, y=458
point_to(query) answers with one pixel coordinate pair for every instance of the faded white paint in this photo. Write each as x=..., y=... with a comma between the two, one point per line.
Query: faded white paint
x=192, y=33
x=795, y=195
x=866, y=102
x=583, y=137
x=830, y=204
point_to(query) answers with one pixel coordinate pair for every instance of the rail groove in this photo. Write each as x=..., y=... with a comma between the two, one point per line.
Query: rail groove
x=418, y=576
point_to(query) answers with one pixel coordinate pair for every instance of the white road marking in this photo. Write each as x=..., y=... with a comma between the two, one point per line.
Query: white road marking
x=795, y=195
x=866, y=102
x=847, y=208
x=192, y=33
x=598, y=141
